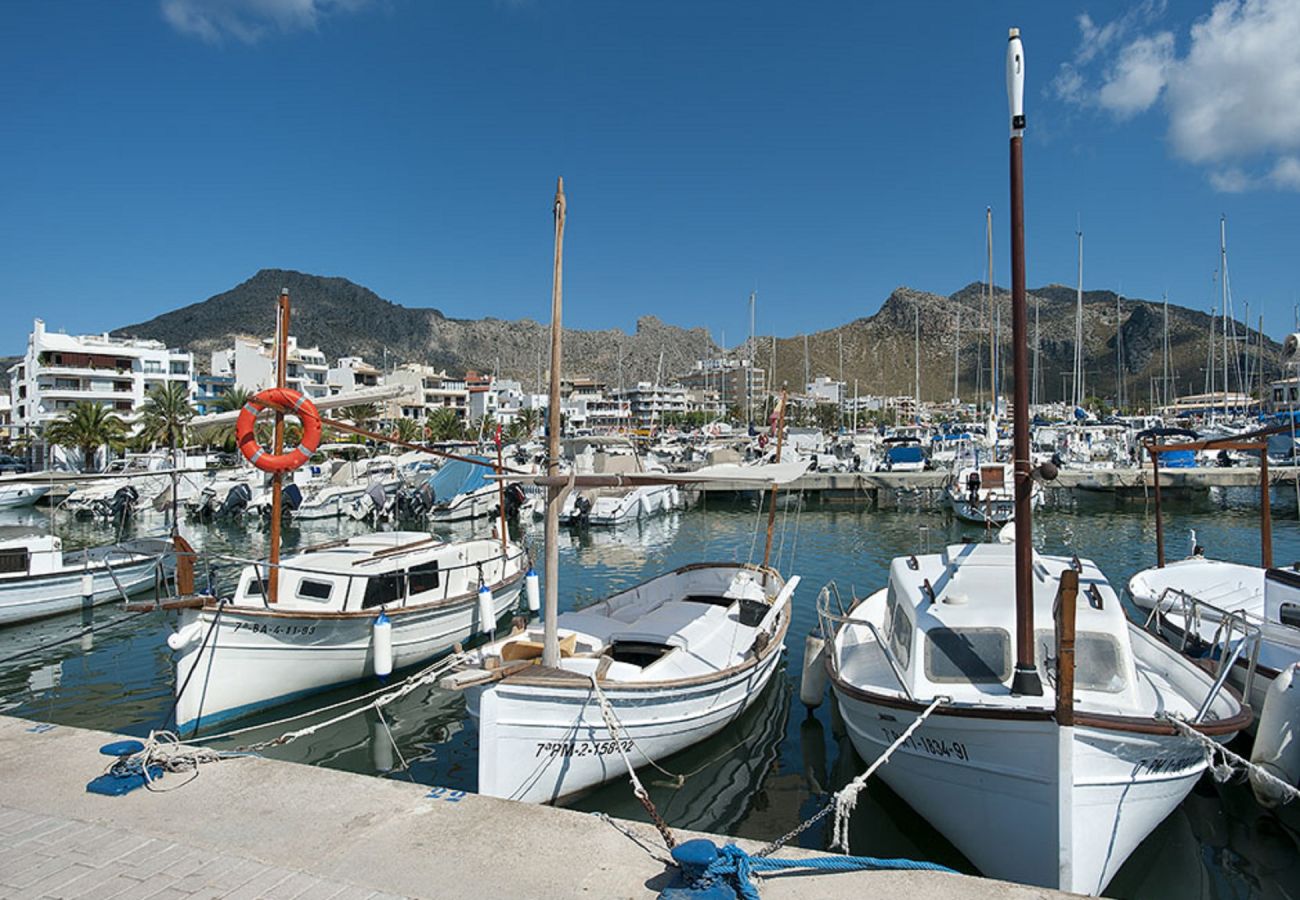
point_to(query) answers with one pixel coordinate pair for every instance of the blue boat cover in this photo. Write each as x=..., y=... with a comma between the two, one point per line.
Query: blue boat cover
x=906, y=454
x=457, y=477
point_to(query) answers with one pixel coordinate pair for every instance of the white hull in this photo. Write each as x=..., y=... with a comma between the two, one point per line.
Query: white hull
x=993, y=784
x=464, y=507
x=20, y=495
x=541, y=744
x=27, y=597
x=255, y=660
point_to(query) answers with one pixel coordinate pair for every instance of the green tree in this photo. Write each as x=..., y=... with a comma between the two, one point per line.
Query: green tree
x=531, y=420
x=444, y=425
x=165, y=415
x=407, y=430
x=233, y=399
x=87, y=426
x=362, y=415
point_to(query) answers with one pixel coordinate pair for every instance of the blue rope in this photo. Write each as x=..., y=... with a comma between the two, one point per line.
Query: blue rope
x=735, y=867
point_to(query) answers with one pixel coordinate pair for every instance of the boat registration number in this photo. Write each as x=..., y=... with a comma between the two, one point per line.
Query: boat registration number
x=263, y=628
x=1167, y=766
x=932, y=746
x=582, y=748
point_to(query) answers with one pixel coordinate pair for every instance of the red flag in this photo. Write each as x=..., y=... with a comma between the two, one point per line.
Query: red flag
x=498, y=436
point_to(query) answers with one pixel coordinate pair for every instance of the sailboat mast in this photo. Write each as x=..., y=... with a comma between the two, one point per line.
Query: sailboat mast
x=1079, y=363
x=916, y=365
x=956, y=362
x=1119, y=354
x=1223, y=287
x=1038, y=302
x=993, y=331
x=1025, y=681
x=749, y=383
x=1164, y=380
x=277, y=480
x=554, y=495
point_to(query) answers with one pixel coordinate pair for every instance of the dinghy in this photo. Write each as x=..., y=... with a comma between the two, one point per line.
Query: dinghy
x=673, y=660
x=38, y=579
x=239, y=655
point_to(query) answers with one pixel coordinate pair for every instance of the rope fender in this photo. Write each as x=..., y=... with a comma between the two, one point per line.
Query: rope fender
x=727, y=872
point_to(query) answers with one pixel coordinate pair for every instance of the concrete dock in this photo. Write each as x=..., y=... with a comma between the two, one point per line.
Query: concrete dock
x=252, y=827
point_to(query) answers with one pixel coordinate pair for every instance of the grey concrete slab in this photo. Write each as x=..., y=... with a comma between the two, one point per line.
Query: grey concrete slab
x=309, y=831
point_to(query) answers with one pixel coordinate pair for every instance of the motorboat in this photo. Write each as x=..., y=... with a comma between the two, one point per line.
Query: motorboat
x=902, y=454
x=1023, y=796
x=462, y=491
x=15, y=495
x=38, y=578
x=238, y=655
x=672, y=661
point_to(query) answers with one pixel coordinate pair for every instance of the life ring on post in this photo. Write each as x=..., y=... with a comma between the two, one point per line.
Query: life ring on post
x=292, y=402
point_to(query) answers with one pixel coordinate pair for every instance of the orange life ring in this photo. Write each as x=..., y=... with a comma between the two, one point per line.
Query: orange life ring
x=296, y=403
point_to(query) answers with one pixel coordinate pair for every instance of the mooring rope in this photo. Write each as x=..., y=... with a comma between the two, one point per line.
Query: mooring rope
x=1223, y=763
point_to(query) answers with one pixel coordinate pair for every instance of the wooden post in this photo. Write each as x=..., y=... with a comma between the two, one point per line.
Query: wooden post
x=277, y=483
x=1265, y=511
x=771, y=506
x=1160, y=521
x=551, y=637
x=1066, y=597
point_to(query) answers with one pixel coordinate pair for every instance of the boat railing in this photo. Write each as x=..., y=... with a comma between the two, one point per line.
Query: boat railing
x=1236, y=635
x=830, y=622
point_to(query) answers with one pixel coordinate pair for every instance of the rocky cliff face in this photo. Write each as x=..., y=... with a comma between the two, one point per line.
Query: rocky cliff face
x=877, y=350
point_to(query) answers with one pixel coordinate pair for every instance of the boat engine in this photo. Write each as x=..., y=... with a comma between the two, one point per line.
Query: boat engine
x=515, y=498
x=120, y=507
x=237, y=500
x=414, y=503
x=581, y=511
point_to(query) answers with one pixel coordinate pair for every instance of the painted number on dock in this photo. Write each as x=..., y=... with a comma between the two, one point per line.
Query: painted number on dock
x=582, y=748
x=933, y=746
x=442, y=793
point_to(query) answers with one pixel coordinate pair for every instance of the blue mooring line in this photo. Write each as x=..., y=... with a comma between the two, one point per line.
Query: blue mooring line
x=725, y=873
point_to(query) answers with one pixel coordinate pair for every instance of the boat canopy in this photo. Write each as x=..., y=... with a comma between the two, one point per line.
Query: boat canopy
x=459, y=477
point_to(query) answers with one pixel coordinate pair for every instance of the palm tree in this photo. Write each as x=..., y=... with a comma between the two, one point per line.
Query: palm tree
x=87, y=426
x=234, y=398
x=531, y=419
x=361, y=415
x=165, y=415
x=444, y=425
x=407, y=430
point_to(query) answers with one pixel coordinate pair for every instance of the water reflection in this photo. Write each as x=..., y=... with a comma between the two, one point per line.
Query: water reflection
x=761, y=776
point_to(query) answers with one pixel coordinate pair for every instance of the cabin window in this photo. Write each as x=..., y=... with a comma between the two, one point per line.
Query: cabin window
x=315, y=590
x=424, y=577
x=13, y=561
x=382, y=589
x=1097, y=660
x=900, y=637
x=1288, y=614
x=974, y=655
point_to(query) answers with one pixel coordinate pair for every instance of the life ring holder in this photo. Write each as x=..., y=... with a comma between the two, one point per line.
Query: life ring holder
x=293, y=402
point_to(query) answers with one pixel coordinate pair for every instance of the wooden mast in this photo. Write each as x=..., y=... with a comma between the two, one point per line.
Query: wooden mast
x=554, y=495
x=771, y=506
x=277, y=484
x=1026, y=680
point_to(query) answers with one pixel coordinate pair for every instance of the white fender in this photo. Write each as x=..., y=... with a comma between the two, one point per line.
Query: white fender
x=1277, y=742
x=381, y=638
x=487, y=615
x=185, y=636
x=812, y=686
x=532, y=589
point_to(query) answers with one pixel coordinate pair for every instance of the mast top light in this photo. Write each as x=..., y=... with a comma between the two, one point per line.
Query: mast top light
x=1016, y=83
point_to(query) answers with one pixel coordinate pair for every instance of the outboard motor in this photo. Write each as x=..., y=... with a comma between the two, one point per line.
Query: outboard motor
x=237, y=500
x=581, y=511
x=515, y=498
x=122, y=507
x=1224, y=460
x=290, y=498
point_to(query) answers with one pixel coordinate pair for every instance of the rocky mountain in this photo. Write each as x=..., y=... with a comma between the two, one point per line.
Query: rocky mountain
x=876, y=351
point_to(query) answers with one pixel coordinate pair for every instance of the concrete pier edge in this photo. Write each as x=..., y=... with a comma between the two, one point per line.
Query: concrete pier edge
x=260, y=827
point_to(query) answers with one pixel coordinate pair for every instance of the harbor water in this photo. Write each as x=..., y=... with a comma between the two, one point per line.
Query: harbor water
x=761, y=776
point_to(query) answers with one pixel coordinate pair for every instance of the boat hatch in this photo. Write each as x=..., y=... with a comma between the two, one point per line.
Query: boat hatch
x=15, y=560
x=637, y=653
x=992, y=477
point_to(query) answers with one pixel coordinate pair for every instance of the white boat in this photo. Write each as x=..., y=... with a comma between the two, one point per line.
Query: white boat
x=677, y=658
x=618, y=506
x=320, y=632
x=462, y=491
x=1023, y=796
x=17, y=495
x=38, y=579
x=1233, y=609
x=983, y=494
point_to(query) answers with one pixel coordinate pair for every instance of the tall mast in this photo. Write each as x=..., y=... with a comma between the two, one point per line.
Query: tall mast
x=993, y=331
x=1025, y=681
x=1165, y=352
x=1079, y=396
x=749, y=382
x=1223, y=286
x=277, y=480
x=1038, y=302
x=554, y=495
x=916, y=363
x=1119, y=355
x=807, y=373
x=956, y=362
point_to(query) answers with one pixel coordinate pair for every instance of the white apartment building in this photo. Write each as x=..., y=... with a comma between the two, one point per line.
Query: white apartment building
x=649, y=403
x=824, y=390
x=733, y=380
x=58, y=370
x=252, y=364
x=432, y=390
x=352, y=374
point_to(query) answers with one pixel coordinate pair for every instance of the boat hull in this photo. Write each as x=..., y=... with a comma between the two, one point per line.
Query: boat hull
x=38, y=596
x=990, y=784
x=20, y=495
x=255, y=660
x=542, y=744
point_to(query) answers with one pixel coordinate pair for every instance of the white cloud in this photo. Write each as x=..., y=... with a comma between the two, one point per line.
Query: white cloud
x=249, y=20
x=1232, y=100
x=1138, y=76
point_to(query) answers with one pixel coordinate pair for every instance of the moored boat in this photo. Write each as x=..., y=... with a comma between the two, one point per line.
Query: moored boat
x=38, y=578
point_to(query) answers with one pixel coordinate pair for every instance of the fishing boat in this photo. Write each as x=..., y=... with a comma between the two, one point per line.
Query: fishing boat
x=1039, y=735
x=38, y=579
x=982, y=494
x=238, y=655
x=674, y=660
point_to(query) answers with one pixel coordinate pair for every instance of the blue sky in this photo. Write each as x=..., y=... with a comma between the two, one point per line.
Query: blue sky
x=156, y=153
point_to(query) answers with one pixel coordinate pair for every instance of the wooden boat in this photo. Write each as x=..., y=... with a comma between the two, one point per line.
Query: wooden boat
x=244, y=654
x=677, y=658
x=982, y=494
x=38, y=579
